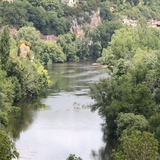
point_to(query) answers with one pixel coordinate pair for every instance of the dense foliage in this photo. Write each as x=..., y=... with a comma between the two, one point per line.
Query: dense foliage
x=19, y=78
x=73, y=157
x=7, y=147
x=129, y=98
x=46, y=16
x=137, y=146
x=134, y=9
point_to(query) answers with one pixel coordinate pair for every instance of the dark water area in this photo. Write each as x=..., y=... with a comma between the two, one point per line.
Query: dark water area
x=62, y=123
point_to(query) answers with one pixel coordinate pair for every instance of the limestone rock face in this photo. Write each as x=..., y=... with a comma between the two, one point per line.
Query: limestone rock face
x=95, y=21
x=25, y=52
x=8, y=1
x=71, y=3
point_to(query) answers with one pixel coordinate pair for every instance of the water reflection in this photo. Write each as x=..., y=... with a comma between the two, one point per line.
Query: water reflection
x=64, y=125
x=24, y=118
x=104, y=153
x=71, y=77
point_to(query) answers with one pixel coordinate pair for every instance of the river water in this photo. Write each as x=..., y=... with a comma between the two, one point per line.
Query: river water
x=62, y=123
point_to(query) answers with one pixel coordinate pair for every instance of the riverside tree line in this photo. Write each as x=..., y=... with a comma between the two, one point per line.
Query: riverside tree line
x=128, y=100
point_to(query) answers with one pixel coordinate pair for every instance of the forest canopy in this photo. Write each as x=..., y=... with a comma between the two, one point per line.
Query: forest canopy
x=128, y=99
x=19, y=76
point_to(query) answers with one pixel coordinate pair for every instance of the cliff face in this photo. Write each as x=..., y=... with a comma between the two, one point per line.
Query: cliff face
x=25, y=52
x=95, y=20
x=71, y=3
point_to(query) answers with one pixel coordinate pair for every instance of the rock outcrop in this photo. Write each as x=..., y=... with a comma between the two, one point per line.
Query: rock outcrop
x=95, y=20
x=24, y=51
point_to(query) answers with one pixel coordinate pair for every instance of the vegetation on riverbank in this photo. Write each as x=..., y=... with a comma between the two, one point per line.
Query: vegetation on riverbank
x=20, y=78
x=129, y=99
x=7, y=147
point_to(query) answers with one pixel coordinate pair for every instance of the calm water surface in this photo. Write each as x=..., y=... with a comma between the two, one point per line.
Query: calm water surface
x=63, y=124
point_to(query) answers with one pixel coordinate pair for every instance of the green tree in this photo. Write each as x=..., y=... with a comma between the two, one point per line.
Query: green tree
x=82, y=46
x=66, y=41
x=4, y=47
x=130, y=121
x=73, y=157
x=105, y=12
x=137, y=146
x=30, y=79
x=30, y=34
x=101, y=36
x=6, y=98
x=154, y=126
x=7, y=147
x=15, y=14
x=55, y=5
x=39, y=17
x=115, y=95
x=54, y=52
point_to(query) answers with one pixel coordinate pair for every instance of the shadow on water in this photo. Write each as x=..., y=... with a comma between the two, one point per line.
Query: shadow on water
x=104, y=153
x=24, y=118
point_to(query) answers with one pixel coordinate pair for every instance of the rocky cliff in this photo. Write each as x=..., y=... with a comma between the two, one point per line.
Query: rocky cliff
x=95, y=20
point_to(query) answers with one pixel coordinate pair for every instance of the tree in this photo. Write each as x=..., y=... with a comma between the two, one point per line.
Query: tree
x=83, y=48
x=39, y=17
x=130, y=121
x=30, y=34
x=107, y=95
x=15, y=13
x=50, y=5
x=105, y=12
x=31, y=79
x=54, y=52
x=119, y=94
x=101, y=36
x=137, y=146
x=73, y=157
x=35, y=3
x=7, y=147
x=66, y=41
x=154, y=126
x=4, y=47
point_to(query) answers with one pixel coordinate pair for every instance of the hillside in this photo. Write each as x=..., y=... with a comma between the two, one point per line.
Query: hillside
x=57, y=17
x=87, y=25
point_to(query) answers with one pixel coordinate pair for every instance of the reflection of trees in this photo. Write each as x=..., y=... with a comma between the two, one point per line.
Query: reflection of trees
x=67, y=76
x=24, y=118
x=104, y=153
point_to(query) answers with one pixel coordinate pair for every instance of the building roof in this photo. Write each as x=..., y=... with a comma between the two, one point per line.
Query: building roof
x=158, y=23
x=48, y=37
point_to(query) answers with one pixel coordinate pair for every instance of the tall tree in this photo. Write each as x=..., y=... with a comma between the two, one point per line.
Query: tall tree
x=137, y=146
x=4, y=47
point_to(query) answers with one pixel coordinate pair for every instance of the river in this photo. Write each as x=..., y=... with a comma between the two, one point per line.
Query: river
x=62, y=123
